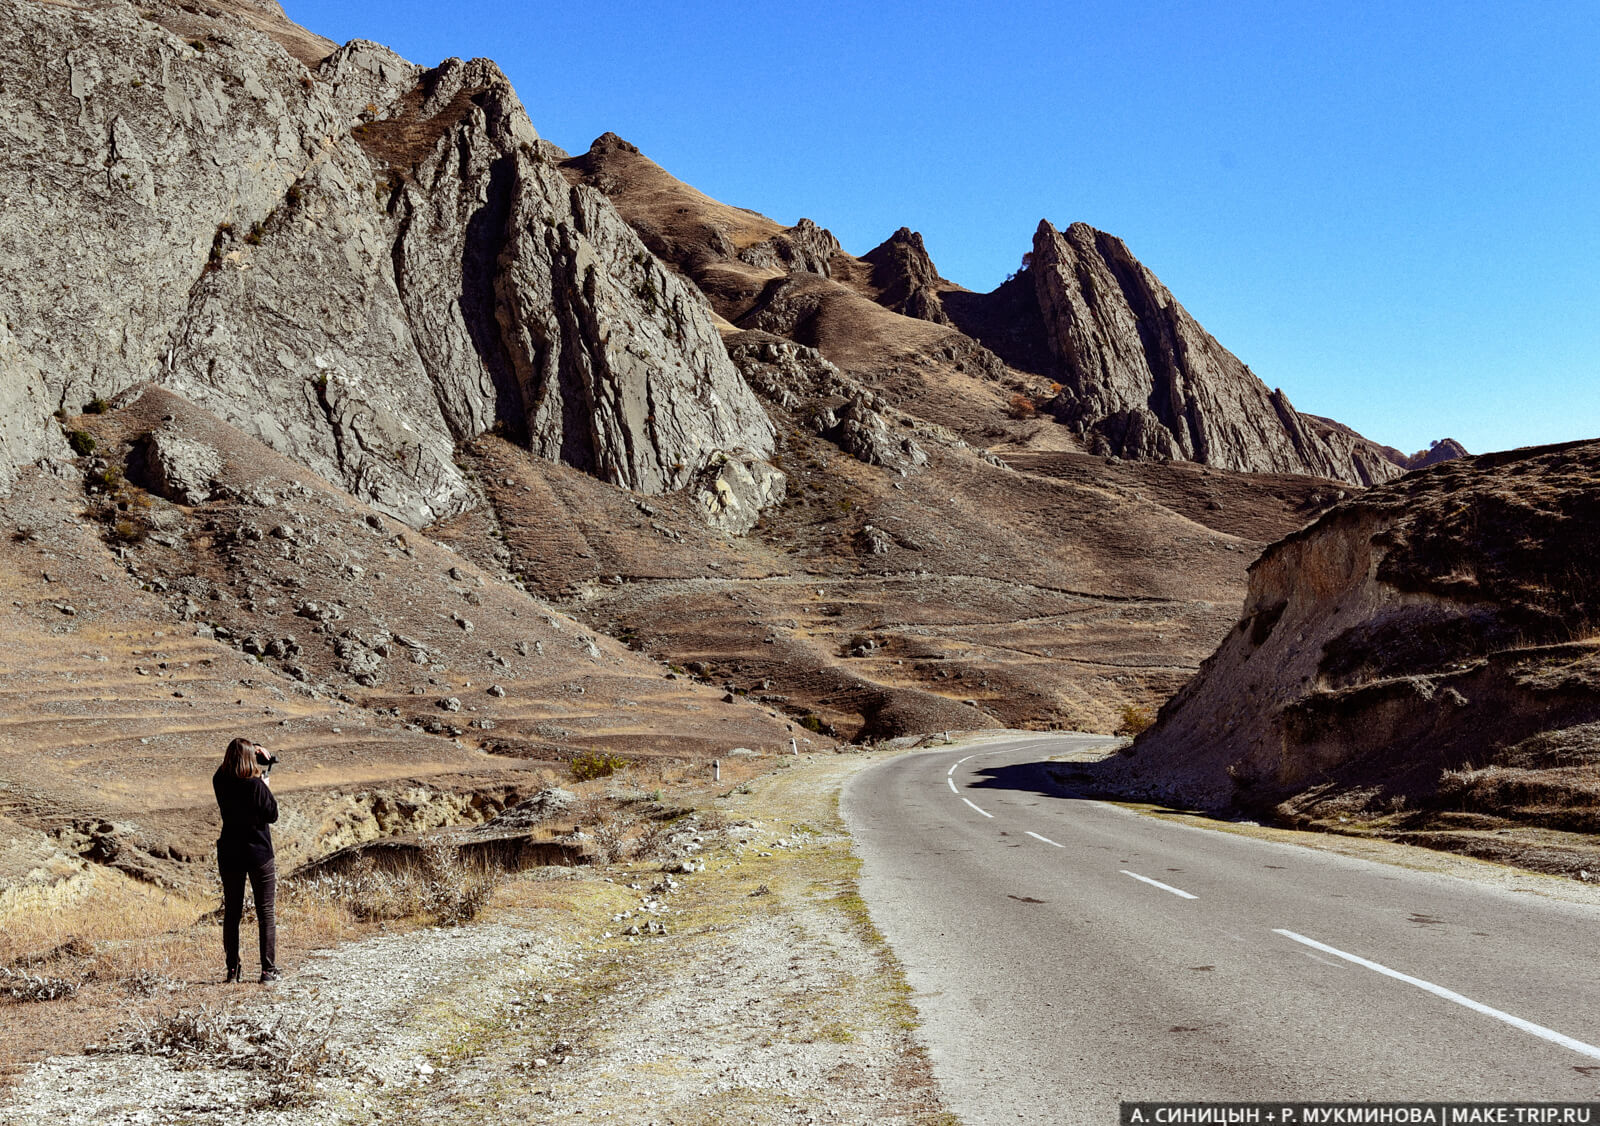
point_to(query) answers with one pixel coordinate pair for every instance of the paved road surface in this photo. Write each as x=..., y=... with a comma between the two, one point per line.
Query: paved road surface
x=1068, y=954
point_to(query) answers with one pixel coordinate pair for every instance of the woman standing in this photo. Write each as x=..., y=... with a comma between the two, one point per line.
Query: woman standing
x=244, y=850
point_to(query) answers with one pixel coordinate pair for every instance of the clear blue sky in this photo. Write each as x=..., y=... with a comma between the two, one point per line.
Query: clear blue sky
x=1390, y=210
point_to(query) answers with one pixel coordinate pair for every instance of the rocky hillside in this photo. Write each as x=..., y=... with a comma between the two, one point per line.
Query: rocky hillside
x=357, y=260
x=1141, y=378
x=339, y=409
x=1422, y=658
x=1085, y=334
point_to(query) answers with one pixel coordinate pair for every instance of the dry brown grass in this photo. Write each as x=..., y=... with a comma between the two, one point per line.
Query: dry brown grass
x=120, y=920
x=438, y=887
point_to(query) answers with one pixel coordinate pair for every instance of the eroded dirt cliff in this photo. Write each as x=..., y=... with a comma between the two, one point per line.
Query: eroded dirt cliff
x=1422, y=658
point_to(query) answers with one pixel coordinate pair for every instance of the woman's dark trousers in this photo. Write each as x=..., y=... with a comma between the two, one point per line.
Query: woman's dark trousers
x=264, y=887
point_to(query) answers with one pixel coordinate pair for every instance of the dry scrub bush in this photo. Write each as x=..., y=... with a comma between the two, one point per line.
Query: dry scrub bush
x=1134, y=720
x=611, y=843
x=293, y=1056
x=437, y=887
x=1022, y=407
x=19, y=985
x=651, y=840
x=596, y=764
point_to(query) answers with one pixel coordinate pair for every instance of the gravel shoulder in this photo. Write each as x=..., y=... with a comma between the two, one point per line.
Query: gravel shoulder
x=752, y=989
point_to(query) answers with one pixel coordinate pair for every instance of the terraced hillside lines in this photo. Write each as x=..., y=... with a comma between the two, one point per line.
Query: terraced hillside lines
x=144, y=634
x=1040, y=599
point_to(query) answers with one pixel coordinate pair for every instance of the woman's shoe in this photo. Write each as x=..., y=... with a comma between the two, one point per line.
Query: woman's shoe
x=235, y=975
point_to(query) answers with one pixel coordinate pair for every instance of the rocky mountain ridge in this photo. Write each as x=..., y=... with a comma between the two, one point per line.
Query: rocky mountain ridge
x=1128, y=370
x=461, y=284
x=1141, y=378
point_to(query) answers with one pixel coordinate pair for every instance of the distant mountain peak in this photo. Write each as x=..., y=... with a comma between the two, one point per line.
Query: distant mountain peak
x=1141, y=377
x=1440, y=450
x=904, y=274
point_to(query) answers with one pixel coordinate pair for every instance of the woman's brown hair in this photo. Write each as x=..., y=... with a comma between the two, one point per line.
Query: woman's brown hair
x=240, y=759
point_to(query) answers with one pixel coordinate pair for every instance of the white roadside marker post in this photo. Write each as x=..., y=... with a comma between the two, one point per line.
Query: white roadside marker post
x=794, y=747
x=716, y=770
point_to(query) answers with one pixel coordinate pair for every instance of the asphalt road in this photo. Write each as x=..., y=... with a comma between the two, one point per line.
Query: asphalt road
x=1067, y=954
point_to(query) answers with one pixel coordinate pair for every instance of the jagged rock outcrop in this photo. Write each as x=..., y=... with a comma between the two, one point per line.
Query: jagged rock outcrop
x=1142, y=379
x=1419, y=626
x=1445, y=449
x=362, y=264
x=854, y=418
x=805, y=247
x=905, y=277
x=860, y=430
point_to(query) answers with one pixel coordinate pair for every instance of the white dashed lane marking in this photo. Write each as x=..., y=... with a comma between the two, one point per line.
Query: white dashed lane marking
x=1158, y=884
x=1527, y=1026
x=1046, y=840
x=985, y=812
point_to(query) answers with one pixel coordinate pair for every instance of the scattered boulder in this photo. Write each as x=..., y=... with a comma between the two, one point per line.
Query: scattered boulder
x=873, y=540
x=176, y=467
x=734, y=489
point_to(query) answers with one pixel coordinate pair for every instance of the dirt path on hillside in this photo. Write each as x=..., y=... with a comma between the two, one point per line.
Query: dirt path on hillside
x=755, y=990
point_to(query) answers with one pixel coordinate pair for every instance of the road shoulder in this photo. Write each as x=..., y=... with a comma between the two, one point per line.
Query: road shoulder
x=754, y=989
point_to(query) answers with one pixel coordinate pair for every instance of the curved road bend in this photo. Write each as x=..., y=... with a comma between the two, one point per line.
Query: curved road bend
x=1067, y=954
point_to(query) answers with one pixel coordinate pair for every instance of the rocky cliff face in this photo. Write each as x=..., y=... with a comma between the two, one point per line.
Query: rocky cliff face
x=1422, y=628
x=905, y=277
x=1141, y=378
x=361, y=263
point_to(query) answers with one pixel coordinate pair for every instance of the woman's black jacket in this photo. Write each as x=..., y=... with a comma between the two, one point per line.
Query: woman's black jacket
x=248, y=807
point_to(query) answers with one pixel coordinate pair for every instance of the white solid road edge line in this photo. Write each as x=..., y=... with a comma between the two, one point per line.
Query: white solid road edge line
x=1158, y=884
x=1046, y=840
x=985, y=812
x=1527, y=1026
